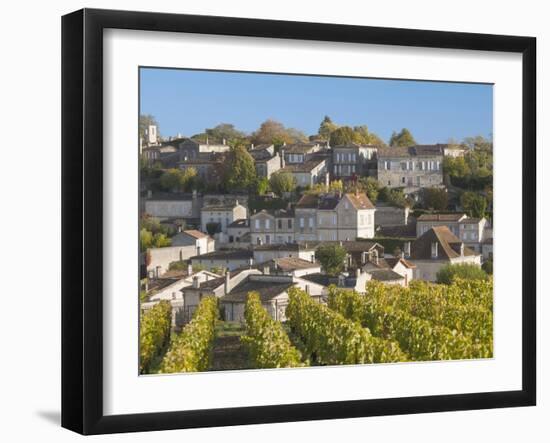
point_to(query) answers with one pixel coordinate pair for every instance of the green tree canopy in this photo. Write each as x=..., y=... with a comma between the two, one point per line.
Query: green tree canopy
x=467, y=271
x=342, y=136
x=402, y=138
x=331, y=257
x=435, y=198
x=474, y=204
x=282, y=182
x=326, y=128
x=274, y=132
x=178, y=180
x=240, y=172
x=225, y=131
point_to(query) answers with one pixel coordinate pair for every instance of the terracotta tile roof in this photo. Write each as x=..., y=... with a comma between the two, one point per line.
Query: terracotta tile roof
x=267, y=291
x=448, y=245
x=360, y=201
x=441, y=217
x=195, y=233
x=385, y=275
x=229, y=254
x=307, y=166
x=307, y=201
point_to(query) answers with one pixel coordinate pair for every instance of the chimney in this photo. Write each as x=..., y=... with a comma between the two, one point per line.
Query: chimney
x=407, y=249
x=189, y=268
x=196, y=282
x=226, y=284
x=435, y=249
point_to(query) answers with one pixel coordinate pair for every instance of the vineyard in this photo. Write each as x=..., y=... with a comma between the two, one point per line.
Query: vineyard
x=389, y=323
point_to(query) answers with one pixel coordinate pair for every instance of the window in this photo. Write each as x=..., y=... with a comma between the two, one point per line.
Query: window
x=267, y=223
x=289, y=223
x=311, y=222
x=334, y=222
x=402, y=179
x=279, y=224
x=267, y=239
x=301, y=222
x=257, y=224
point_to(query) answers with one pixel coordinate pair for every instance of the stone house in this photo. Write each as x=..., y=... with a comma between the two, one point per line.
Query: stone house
x=266, y=252
x=387, y=215
x=411, y=168
x=435, y=249
x=238, y=232
x=172, y=205
x=202, y=242
x=223, y=215
x=272, y=226
x=299, y=152
x=230, y=259
x=334, y=217
x=233, y=288
x=159, y=259
x=352, y=160
x=472, y=231
x=266, y=160
x=307, y=173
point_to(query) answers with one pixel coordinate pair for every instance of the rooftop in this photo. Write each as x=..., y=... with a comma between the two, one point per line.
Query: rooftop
x=307, y=166
x=225, y=254
x=441, y=217
x=194, y=233
x=266, y=289
x=449, y=244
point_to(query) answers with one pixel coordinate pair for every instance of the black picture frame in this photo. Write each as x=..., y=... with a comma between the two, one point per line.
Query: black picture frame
x=82, y=188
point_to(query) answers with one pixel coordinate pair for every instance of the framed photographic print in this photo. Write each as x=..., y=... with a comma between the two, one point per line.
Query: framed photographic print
x=269, y=221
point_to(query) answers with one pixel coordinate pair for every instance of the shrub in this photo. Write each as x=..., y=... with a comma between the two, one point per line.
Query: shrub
x=190, y=351
x=154, y=333
x=465, y=271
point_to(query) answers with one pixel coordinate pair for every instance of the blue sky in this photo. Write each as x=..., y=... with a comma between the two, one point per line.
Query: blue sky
x=187, y=102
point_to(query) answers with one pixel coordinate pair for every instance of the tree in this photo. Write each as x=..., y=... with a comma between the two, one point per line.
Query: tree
x=336, y=186
x=394, y=197
x=178, y=180
x=466, y=271
x=368, y=185
x=474, y=204
x=274, y=132
x=402, y=138
x=240, y=172
x=435, y=198
x=331, y=257
x=225, y=131
x=145, y=239
x=342, y=136
x=282, y=182
x=326, y=128
x=262, y=185
x=487, y=266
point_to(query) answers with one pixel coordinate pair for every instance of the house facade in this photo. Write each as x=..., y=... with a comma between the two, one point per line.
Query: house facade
x=223, y=215
x=411, y=168
x=352, y=160
x=334, y=217
x=274, y=226
x=437, y=248
x=471, y=231
x=307, y=173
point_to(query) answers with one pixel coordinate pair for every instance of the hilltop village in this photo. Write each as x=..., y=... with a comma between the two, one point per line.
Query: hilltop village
x=224, y=219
